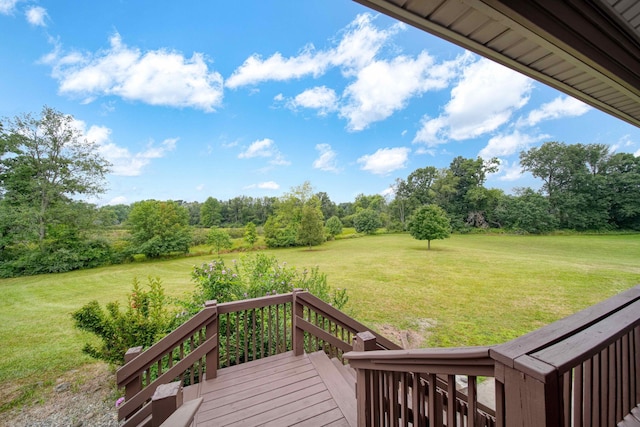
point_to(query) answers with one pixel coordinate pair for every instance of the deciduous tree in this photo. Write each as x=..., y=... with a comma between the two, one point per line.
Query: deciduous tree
x=429, y=223
x=220, y=239
x=45, y=164
x=311, y=230
x=159, y=228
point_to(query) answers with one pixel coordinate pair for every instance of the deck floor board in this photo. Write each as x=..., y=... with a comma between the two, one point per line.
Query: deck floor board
x=283, y=390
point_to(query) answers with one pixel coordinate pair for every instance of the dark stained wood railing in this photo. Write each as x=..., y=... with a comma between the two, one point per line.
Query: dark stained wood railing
x=179, y=355
x=583, y=370
x=418, y=387
x=232, y=333
x=322, y=327
x=253, y=329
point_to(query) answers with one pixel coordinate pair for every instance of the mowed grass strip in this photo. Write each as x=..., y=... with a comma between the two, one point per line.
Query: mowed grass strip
x=467, y=290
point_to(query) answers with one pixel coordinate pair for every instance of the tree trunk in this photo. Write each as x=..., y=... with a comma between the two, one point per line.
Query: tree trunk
x=428, y=245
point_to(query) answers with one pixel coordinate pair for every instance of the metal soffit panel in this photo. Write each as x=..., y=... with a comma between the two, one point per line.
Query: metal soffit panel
x=589, y=49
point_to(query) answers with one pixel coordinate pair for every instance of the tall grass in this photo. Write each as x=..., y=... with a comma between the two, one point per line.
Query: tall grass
x=467, y=290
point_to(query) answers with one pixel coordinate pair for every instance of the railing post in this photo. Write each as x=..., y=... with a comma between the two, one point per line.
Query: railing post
x=165, y=401
x=364, y=341
x=212, y=358
x=298, y=333
x=132, y=388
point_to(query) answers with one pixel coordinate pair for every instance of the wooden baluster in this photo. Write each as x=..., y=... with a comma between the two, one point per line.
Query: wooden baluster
x=237, y=317
x=298, y=333
x=472, y=393
x=364, y=341
x=253, y=334
x=211, y=330
x=246, y=337
x=451, y=400
x=228, y=339
x=269, y=327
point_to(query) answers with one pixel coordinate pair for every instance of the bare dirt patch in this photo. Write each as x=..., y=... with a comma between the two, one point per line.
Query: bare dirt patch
x=409, y=338
x=79, y=398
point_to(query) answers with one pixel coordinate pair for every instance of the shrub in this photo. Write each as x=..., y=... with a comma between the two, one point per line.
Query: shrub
x=146, y=319
x=256, y=276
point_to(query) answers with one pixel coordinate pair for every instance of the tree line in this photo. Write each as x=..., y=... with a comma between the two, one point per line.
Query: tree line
x=47, y=167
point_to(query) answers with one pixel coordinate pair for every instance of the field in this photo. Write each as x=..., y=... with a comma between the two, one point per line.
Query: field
x=467, y=290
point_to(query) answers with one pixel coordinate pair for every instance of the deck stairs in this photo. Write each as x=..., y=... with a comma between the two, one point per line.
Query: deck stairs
x=283, y=390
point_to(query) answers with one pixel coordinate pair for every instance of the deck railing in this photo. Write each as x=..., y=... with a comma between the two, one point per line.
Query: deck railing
x=232, y=333
x=418, y=387
x=583, y=370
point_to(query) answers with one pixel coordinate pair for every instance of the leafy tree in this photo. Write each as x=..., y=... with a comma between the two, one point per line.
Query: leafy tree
x=367, y=221
x=623, y=182
x=310, y=230
x=220, y=239
x=251, y=234
x=45, y=164
x=574, y=180
x=210, y=213
x=281, y=229
x=327, y=207
x=429, y=223
x=159, y=228
x=333, y=226
x=467, y=202
x=527, y=212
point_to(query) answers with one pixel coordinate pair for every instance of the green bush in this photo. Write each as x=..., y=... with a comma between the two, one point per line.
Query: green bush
x=256, y=276
x=146, y=319
x=57, y=257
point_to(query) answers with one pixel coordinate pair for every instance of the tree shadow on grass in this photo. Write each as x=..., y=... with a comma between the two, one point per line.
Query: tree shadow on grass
x=424, y=248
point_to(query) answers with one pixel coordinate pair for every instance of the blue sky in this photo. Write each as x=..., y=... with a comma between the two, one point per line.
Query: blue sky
x=194, y=99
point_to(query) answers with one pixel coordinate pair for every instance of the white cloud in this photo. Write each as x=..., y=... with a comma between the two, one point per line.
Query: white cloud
x=124, y=162
x=320, y=98
x=378, y=88
x=484, y=99
x=389, y=192
x=359, y=45
x=158, y=77
x=385, y=160
x=327, y=160
x=37, y=15
x=265, y=148
x=7, y=6
x=508, y=144
x=268, y=185
x=119, y=200
x=556, y=109
x=261, y=148
x=384, y=87
x=509, y=172
x=637, y=153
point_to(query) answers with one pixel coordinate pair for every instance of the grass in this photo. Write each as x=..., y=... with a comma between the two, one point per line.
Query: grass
x=469, y=290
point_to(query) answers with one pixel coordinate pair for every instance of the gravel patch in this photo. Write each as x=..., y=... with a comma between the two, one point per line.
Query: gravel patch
x=81, y=398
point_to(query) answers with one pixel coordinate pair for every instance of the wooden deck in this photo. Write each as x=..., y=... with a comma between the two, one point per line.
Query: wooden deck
x=282, y=390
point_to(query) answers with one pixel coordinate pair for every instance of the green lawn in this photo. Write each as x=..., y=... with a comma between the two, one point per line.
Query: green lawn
x=468, y=290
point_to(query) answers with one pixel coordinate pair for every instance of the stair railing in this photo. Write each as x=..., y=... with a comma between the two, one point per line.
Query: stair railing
x=418, y=387
x=232, y=333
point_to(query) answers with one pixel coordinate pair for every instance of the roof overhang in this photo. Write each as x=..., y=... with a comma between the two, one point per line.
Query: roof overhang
x=589, y=49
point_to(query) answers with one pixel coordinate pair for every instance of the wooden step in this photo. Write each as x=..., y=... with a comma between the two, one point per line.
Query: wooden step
x=347, y=372
x=337, y=385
